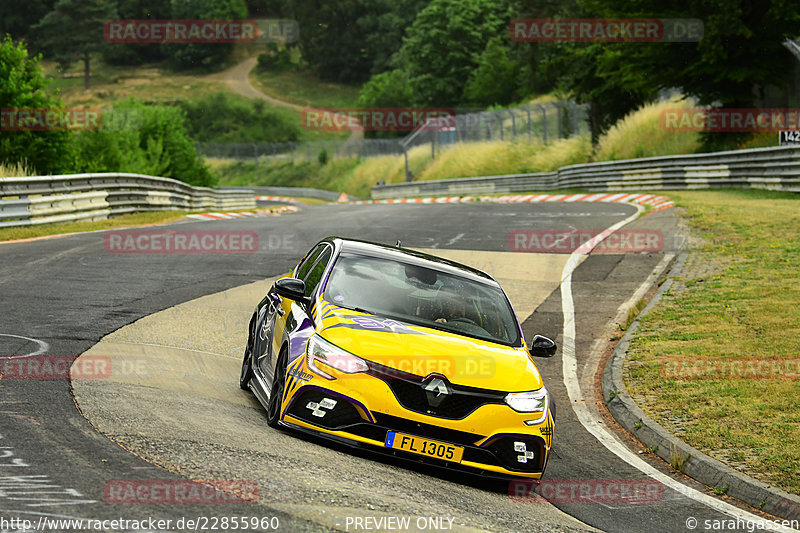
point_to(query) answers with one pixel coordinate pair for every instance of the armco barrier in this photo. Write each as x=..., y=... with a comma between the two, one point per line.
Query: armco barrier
x=46, y=199
x=760, y=168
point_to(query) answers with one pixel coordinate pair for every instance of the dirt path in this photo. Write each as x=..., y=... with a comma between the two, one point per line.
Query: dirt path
x=237, y=78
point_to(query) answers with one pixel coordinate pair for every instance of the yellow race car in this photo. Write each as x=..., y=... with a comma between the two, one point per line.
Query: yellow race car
x=404, y=353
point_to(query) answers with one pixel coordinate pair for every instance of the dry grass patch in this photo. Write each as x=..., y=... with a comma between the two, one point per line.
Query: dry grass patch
x=641, y=134
x=15, y=170
x=492, y=158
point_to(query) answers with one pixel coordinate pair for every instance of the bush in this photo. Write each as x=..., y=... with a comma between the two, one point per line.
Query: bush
x=143, y=139
x=221, y=118
x=275, y=58
x=387, y=89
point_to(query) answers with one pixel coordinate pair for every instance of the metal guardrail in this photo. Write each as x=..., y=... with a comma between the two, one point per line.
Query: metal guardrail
x=47, y=199
x=775, y=168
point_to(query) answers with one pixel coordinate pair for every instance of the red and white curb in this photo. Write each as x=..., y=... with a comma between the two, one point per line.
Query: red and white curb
x=227, y=216
x=284, y=199
x=342, y=198
x=219, y=216
x=657, y=202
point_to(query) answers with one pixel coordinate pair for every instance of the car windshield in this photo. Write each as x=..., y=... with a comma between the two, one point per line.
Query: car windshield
x=422, y=296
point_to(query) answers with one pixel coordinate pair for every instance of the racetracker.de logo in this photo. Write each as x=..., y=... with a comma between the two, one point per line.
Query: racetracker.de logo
x=606, y=30
x=604, y=491
x=567, y=241
x=180, y=492
x=730, y=120
x=50, y=119
x=200, y=31
x=474, y=367
x=378, y=119
x=720, y=368
x=180, y=242
x=55, y=367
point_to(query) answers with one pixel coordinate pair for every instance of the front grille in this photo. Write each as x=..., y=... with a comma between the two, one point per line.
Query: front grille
x=457, y=404
x=336, y=417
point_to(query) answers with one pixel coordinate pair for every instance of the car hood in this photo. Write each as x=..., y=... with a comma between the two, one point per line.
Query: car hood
x=422, y=351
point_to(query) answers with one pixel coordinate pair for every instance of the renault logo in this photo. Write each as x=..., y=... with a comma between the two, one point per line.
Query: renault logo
x=438, y=386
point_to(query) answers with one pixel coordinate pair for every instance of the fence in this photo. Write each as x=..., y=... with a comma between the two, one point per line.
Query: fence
x=46, y=199
x=763, y=168
x=301, y=150
x=543, y=122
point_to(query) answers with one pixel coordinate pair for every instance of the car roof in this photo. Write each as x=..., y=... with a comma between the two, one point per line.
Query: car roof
x=374, y=249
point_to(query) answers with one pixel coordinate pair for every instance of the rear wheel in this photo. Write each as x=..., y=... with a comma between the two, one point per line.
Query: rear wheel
x=276, y=394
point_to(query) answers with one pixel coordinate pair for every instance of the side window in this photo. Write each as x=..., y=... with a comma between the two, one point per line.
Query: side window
x=315, y=276
x=308, y=262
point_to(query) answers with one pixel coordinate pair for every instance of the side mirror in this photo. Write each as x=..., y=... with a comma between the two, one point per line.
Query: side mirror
x=542, y=346
x=292, y=289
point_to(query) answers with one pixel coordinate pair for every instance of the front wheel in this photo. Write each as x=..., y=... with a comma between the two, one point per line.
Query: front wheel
x=247, y=369
x=276, y=394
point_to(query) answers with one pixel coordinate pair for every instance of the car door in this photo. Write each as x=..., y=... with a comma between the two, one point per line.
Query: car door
x=269, y=309
x=285, y=316
x=298, y=314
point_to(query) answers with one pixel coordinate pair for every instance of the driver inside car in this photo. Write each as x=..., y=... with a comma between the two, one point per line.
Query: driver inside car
x=452, y=309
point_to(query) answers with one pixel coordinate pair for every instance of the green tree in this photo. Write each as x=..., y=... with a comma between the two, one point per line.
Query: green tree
x=266, y=8
x=328, y=42
x=609, y=97
x=383, y=26
x=137, y=53
x=740, y=51
x=143, y=139
x=73, y=31
x=387, y=89
x=203, y=55
x=497, y=79
x=444, y=43
x=22, y=86
x=16, y=18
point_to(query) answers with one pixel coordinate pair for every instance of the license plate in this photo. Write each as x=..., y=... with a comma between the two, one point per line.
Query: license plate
x=430, y=448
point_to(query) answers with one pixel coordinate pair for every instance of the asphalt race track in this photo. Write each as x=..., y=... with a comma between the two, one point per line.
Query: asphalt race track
x=63, y=442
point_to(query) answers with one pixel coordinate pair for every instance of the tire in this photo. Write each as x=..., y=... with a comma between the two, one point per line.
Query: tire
x=276, y=394
x=247, y=369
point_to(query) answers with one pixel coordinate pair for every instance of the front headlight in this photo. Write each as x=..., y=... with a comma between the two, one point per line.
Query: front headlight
x=322, y=352
x=529, y=402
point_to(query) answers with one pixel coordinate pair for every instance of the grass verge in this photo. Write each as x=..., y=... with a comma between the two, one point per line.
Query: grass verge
x=303, y=88
x=136, y=219
x=736, y=301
